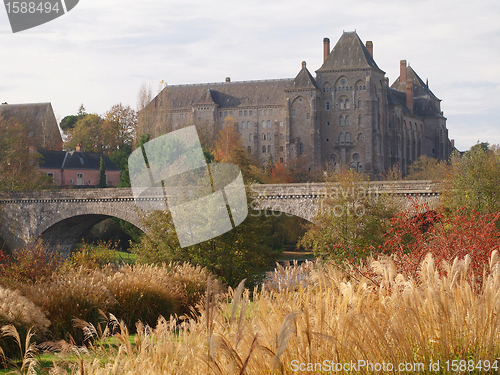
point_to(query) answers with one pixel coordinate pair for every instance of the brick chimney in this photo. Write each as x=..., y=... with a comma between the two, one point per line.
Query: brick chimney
x=452, y=144
x=304, y=64
x=402, y=75
x=326, y=48
x=369, y=47
x=409, y=94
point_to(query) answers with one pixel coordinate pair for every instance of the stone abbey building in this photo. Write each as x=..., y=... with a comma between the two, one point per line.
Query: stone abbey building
x=346, y=115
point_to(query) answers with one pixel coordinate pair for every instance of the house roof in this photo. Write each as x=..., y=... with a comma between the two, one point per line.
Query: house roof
x=422, y=106
x=304, y=79
x=75, y=160
x=349, y=53
x=40, y=123
x=224, y=94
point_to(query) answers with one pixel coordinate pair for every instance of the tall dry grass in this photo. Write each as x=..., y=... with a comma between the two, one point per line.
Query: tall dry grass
x=330, y=317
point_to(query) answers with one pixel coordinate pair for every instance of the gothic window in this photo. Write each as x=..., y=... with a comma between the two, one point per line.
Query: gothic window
x=250, y=137
x=263, y=136
x=263, y=149
x=341, y=103
x=341, y=137
x=360, y=120
x=347, y=121
x=348, y=137
x=268, y=123
x=360, y=137
x=249, y=149
x=268, y=136
x=342, y=120
x=268, y=148
x=248, y=124
x=359, y=103
x=364, y=87
x=347, y=106
x=243, y=125
x=263, y=124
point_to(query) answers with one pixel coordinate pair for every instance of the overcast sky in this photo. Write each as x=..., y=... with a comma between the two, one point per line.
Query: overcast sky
x=101, y=51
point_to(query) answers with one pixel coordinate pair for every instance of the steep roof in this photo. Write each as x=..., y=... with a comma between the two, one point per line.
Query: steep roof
x=304, y=79
x=349, y=53
x=52, y=159
x=420, y=89
x=423, y=107
x=40, y=122
x=224, y=94
x=89, y=160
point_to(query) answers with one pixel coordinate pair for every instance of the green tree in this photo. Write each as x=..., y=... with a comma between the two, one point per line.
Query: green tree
x=351, y=220
x=18, y=166
x=102, y=174
x=475, y=180
x=242, y=253
x=427, y=168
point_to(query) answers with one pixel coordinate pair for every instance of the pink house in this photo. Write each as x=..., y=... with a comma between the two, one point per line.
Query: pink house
x=77, y=168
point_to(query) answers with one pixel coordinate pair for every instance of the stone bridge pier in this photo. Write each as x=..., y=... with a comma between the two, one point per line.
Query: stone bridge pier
x=61, y=217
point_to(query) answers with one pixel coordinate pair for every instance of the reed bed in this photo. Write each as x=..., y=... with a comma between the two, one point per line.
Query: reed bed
x=329, y=318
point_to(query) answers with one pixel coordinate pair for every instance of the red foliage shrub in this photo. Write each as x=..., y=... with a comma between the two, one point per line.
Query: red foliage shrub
x=412, y=237
x=28, y=264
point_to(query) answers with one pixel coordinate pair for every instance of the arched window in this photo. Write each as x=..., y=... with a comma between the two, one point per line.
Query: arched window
x=263, y=136
x=268, y=148
x=263, y=149
x=263, y=124
x=348, y=137
x=360, y=137
x=243, y=125
x=249, y=149
x=347, y=104
x=248, y=124
x=341, y=137
x=250, y=137
x=347, y=121
x=268, y=136
x=360, y=120
x=359, y=103
x=341, y=103
x=342, y=120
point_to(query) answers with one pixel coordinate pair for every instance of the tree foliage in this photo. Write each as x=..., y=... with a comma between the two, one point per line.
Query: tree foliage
x=18, y=166
x=242, y=253
x=350, y=221
x=427, y=168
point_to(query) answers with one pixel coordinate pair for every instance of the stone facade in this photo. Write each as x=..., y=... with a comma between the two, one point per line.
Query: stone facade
x=346, y=115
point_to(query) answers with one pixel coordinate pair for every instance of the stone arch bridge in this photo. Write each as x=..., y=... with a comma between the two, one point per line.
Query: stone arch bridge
x=60, y=217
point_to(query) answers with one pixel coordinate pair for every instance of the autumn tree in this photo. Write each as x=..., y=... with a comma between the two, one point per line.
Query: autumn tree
x=229, y=149
x=427, y=168
x=18, y=166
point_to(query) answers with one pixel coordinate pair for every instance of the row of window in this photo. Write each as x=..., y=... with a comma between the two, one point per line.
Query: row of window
x=265, y=124
x=248, y=112
x=264, y=137
x=346, y=137
x=345, y=88
x=343, y=104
